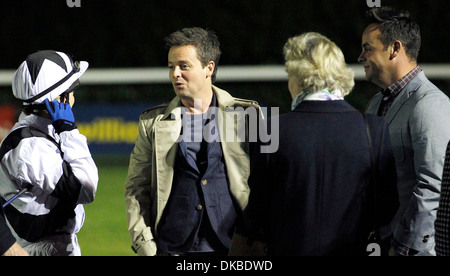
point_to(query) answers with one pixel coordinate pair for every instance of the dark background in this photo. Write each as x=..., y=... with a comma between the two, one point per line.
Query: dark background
x=118, y=33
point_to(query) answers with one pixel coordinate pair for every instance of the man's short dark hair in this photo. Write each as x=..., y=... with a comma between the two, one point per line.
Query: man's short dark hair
x=397, y=25
x=206, y=42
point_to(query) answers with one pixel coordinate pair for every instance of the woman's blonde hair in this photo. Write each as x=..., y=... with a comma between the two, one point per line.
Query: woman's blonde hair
x=317, y=63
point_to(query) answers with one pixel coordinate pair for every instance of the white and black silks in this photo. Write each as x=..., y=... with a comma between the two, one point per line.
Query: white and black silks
x=58, y=171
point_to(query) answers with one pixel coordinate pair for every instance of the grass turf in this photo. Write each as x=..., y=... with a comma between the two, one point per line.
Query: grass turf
x=105, y=229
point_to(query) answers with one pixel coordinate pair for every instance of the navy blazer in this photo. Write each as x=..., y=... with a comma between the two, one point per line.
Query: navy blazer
x=313, y=196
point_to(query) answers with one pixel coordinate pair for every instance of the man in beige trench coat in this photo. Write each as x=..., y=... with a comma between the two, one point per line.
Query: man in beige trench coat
x=175, y=204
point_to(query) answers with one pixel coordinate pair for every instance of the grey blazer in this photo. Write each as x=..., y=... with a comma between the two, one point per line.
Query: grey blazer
x=419, y=126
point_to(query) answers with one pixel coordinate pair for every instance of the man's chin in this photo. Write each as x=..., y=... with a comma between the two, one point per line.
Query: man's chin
x=183, y=94
x=179, y=91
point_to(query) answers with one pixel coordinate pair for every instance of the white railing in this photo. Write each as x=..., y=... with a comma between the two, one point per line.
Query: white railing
x=226, y=73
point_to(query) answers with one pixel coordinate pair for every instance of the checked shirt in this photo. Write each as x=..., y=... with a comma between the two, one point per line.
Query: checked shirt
x=394, y=89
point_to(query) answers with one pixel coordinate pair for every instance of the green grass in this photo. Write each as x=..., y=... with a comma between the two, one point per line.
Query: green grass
x=105, y=229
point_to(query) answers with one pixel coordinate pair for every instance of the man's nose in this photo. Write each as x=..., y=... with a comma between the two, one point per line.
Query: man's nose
x=361, y=58
x=176, y=72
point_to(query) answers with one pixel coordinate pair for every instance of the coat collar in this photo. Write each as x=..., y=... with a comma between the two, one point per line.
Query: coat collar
x=173, y=111
x=38, y=122
x=324, y=107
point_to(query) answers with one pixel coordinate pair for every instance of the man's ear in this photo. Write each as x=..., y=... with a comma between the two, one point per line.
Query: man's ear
x=397, y=46
x=210, y=68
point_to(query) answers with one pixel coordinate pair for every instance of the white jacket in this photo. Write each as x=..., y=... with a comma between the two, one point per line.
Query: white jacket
x=39, y=162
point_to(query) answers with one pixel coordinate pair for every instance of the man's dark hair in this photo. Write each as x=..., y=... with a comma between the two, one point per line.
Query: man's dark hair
x=206, y=42
x=397, y=25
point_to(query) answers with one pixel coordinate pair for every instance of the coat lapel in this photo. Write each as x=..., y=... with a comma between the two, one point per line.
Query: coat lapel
x=231, y=123
x=404, y=95
x=167, y=134
x=237, y=160
x=374, y=104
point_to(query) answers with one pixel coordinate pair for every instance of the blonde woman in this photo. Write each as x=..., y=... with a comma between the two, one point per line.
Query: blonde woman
x=314, y=195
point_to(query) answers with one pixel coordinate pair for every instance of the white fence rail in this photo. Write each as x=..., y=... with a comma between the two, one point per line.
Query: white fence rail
x=241, y=73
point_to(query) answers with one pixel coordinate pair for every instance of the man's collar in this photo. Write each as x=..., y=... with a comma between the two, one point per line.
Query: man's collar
x=397, y=86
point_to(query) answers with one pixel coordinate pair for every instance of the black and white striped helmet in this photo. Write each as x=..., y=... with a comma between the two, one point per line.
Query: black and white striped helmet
x=46, y=75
